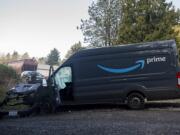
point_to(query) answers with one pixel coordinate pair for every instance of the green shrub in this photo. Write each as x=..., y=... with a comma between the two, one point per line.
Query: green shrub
x=2, y=93
x=8, y=77
x=7, y=73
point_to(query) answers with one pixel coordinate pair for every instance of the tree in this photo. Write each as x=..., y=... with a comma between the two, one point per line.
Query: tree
x=53, y=58
x=25, y=56
x=15, y=55
x=8, y=77
x=8, y=57
x=2, y=59
x=101, y=29
x=74, y=48
x=147, y=20
x=42, y=60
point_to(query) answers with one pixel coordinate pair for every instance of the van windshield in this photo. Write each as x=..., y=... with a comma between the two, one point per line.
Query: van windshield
x=63, y=76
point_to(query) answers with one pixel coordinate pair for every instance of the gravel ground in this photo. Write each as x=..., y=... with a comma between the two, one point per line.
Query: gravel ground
x=156, y=118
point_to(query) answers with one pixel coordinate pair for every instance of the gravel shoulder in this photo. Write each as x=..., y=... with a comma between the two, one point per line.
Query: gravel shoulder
x=157, y=118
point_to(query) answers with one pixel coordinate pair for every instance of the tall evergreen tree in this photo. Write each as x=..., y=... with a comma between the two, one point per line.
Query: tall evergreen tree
x=74, y=48
x=101, y=28
x=53, y=58
x=8, y=57
x=15, y=55
x=25, y=56
x=147, y=20
x=42, y=60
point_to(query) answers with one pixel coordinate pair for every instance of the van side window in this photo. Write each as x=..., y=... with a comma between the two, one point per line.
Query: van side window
x=63, y=76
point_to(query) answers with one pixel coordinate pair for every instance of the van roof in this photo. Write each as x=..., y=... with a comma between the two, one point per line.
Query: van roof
x=124, y=48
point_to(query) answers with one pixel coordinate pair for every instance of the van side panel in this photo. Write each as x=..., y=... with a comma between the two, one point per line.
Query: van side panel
x=110, y=77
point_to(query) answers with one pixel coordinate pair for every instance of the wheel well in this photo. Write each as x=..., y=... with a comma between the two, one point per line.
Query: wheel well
x=136, y=91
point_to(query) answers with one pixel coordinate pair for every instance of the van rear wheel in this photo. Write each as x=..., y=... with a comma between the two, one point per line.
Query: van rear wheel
x=135, y=101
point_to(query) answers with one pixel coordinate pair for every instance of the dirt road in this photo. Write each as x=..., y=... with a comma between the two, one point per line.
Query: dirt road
x=159, y=118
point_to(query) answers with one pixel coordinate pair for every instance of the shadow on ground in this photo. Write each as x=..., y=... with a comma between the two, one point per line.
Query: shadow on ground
x=150, y=105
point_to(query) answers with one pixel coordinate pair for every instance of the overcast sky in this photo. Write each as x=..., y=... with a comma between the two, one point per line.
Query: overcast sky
x=37, y=26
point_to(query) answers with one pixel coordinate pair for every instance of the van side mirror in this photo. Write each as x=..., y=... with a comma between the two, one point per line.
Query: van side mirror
x=44, y=83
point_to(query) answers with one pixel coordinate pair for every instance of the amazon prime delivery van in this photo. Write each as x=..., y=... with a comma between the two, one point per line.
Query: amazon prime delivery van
x=130, y=74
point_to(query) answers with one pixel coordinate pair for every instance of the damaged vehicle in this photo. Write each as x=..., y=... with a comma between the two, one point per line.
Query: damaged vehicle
x=25, y=95
x=131, y=74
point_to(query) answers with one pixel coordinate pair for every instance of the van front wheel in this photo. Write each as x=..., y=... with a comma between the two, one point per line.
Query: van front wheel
x=135, y=101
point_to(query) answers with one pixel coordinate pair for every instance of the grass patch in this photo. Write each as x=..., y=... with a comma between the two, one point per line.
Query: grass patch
x=2, y=92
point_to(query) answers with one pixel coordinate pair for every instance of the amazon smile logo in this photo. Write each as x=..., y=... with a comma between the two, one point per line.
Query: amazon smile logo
x=138, y=65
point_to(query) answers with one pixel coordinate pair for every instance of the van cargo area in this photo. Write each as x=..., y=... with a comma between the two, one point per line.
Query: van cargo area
x=124, y=73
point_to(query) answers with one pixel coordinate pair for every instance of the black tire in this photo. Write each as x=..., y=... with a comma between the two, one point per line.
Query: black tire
x=135, y=101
